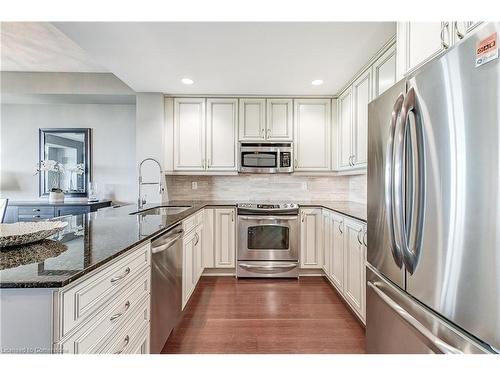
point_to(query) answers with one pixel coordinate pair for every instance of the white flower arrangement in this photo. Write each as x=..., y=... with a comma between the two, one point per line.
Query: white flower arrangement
x=52, y=166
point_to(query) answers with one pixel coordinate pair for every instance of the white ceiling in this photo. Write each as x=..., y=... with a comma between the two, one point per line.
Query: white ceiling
x=40, y=47
x=231, y=58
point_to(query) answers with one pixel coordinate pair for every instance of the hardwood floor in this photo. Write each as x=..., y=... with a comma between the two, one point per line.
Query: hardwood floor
x=226, y=315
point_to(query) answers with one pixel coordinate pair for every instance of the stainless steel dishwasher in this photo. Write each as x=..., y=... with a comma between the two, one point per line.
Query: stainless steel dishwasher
x=166, y=286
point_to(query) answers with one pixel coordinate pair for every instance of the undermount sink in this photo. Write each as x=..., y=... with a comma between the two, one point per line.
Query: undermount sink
x=162, y=210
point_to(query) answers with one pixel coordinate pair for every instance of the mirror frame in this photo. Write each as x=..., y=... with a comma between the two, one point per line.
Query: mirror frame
x=87, y=132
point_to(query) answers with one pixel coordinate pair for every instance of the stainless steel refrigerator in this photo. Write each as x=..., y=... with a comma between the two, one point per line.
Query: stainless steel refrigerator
x=433, y=271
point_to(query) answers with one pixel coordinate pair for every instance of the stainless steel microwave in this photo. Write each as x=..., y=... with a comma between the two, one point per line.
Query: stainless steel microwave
x=265, y=157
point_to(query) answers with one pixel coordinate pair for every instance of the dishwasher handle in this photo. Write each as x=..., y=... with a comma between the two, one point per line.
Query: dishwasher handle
x=162, y=244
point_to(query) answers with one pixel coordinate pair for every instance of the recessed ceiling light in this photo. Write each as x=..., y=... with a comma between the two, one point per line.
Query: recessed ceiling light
x=317, y=82
x=187, y=81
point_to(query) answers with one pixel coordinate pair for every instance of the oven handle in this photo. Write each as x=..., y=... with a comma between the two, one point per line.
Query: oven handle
x=285, y=265
x=267, y=217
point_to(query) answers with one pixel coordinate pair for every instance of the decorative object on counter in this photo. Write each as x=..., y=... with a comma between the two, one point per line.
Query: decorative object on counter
x=93, y=192
x=69, y=149
x=32, y=253
x=27, y=232
x=78, y=170
x=52, y=170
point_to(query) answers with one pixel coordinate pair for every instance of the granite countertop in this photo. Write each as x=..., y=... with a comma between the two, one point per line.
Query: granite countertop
x=91, y=240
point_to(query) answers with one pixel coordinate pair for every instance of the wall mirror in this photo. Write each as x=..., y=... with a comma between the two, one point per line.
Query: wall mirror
x=64, y=161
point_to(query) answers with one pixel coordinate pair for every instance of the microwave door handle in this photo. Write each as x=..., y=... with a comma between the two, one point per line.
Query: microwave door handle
x=412, y=245
x=392, y=175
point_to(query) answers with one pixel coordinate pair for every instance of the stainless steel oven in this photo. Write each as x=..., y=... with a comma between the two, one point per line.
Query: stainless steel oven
x=267, y=240
x=265, y=157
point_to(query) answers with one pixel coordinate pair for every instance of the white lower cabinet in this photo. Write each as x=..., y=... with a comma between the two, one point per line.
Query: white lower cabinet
x=354, y=266
x=311, y=239
x=337, y=252
x=209, y=242
x=344, y=245
x=225, y=237
x=108, y=311
x=192, y=258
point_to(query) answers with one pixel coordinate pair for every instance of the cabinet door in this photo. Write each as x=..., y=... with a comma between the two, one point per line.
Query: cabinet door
x=361, y=90
x=337, y=267
x=354, y=265
x=311, y=238
x=252, y=125
x=189, y=134
x=222, y=125
x=197, y=255
x=418, y=42
x=279, y=122
x=384, y=71
x=208, y=258
x=344, y=144
x=187, y=266
x=312, y=134
x=327, y=241
x=225, y=237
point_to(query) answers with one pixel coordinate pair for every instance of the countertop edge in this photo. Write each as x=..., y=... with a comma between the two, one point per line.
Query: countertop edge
x=201, y=205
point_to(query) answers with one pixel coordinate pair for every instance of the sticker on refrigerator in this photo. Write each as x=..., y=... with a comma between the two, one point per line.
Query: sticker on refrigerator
x=486, y=50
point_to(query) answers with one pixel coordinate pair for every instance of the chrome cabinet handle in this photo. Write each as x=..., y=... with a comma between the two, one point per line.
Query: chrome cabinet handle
x=443, y=43
x=340, y=227
x=232, y=216
x=405, y=315
x=359, y=233
x=116, y=278
x=197, y=239
x=117, y=315
x=36, y=210
x=126, y=340
x=36, y=216
x=263, y=132
x=457, y=31
x=364, y=239
x=302, y=216
x=268, y=133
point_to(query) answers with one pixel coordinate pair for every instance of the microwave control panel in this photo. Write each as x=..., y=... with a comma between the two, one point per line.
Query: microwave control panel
x=285, y=159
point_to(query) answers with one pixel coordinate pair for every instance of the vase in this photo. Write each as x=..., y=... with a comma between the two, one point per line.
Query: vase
x=56, y=197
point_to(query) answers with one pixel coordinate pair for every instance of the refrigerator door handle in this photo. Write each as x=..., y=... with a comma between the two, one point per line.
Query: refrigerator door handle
x=413, y=227
x=392, y=173
x=442, y=346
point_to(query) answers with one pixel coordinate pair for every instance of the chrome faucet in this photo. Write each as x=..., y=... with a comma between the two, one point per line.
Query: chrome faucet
x=141, y=201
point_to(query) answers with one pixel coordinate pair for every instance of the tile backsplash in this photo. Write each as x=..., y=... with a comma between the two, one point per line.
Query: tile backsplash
x=267, y=187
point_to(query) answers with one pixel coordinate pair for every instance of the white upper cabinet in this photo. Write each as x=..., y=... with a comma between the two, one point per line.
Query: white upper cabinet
x=344, y=145
x=279, y=121
x=312, y=122
x=222, y=125
x=362, y=95
x=189, y=134
x=252, y=125
x=384, y=71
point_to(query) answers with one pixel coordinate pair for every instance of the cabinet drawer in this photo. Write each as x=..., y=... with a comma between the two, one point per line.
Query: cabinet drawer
x=126, y=340
x=34, y=217
x=189, y=224
x=82, y=300
x=101, y=327
x=75, y=210
x=35, y=210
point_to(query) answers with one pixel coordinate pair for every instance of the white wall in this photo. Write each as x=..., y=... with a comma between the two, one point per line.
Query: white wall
x=149, y=141
x=113, y=141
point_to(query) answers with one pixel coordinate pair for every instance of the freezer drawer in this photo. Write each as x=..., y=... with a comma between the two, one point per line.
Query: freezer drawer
x=395, y=323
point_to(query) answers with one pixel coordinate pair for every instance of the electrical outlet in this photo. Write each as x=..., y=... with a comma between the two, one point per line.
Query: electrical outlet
x=304, y=186
x=194, y=185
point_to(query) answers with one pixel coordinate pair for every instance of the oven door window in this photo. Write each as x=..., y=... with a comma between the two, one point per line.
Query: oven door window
x=265, y=237
x=259, y=159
